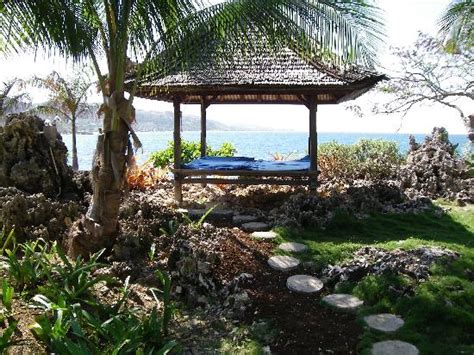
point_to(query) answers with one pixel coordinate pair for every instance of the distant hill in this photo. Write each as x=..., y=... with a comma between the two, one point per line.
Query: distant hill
x=163, y=121
x=149, y=121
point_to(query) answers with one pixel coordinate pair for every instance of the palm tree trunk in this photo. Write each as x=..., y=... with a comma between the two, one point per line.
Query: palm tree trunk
x=75, y=163
x=99, y=228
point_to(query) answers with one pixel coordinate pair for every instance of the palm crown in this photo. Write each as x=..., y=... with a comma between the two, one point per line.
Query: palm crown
x=343, y=31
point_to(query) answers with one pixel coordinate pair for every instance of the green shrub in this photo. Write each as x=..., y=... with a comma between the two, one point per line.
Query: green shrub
x=189, y=151
x=366, y=159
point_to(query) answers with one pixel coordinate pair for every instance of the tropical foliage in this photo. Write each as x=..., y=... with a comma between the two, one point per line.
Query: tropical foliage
x=67, y=100
x=189, y=151
x=73, y=318
x=366, y=159
x=457, y=25
x=9, y=100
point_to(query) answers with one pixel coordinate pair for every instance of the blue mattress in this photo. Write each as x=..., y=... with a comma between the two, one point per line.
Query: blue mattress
x=244, y=163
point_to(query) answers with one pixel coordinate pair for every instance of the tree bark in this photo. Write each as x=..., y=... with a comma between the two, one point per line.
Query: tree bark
x=99, y=227
x=470, y=134
x=75, y=163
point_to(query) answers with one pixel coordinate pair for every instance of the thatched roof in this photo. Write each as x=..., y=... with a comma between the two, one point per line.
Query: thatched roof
x=265, y=76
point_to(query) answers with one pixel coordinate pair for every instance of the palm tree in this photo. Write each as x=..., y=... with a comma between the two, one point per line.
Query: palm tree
x=341, y=31
x=457, y=25
x=9, y=102
x=67, y=99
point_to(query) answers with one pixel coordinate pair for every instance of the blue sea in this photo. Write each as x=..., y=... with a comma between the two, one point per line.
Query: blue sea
x=260, y=145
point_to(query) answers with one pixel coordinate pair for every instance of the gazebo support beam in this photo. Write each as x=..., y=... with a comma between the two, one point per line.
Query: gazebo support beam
x=204, y=106
x=313, y=141
x=178, y=186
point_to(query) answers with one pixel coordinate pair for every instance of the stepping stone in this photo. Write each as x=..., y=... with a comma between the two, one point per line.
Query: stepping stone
x=283, y=262
x=215, y=215
x=304, y=284
x=255, y=227
x=394, y=347
x=293, y=247
x=343, y=302
x=264, y=235
x=384, y=322
x=242, y=218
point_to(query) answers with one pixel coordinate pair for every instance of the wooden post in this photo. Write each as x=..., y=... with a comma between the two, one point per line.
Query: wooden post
x=178, y=187
x=204, y=106
x=313, y=141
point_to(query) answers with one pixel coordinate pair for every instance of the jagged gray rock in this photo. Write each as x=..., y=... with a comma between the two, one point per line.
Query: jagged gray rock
x=432, y=169
x=33, y=157
x=414, y=263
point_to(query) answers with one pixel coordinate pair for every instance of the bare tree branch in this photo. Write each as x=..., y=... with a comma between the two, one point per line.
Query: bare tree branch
x=429, y=75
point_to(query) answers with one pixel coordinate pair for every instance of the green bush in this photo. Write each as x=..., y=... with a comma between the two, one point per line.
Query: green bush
x=189, y=151
x=366, y=159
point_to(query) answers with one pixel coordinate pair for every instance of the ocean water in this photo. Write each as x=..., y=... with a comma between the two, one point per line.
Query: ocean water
x=249, y=143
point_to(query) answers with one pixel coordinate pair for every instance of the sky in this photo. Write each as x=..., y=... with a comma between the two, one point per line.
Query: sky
x=403, y=18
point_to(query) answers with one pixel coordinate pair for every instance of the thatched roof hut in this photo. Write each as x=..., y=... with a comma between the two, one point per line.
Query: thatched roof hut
x=264, y=76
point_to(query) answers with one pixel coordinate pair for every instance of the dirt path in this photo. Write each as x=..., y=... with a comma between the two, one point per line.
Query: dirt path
x=305, y=325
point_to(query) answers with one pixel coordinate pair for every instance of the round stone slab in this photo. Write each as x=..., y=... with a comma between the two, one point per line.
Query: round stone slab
x=283, y=262
x=293, y=247
x=343, y=302
x=304, y=284
x=394, y=347
x=255, y=226
x=264, y=235
x=241, y=218
x=384, y=322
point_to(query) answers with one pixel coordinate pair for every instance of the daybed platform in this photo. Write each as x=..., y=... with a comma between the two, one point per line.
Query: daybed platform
x=246, y=171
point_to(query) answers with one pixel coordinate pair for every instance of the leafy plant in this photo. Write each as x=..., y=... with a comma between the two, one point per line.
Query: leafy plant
x=29, y=269
x=173, y=224
x=73, y=281
x=144, y=177
x=166, y=296
x=6, y=240
x=189, y=151
x=152, y=252
x=374, y=159
x=7, y=321
x=84, y=327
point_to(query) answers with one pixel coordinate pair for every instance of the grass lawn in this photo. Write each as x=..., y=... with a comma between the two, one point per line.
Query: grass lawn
x=439, y=317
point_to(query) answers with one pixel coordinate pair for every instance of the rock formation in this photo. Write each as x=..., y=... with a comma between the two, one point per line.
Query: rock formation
x=33, y=157
x=434, y=170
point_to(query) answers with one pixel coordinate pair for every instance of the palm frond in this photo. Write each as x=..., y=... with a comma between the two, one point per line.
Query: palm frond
x=456, y=25
x=335, y=32
x=174, y=32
